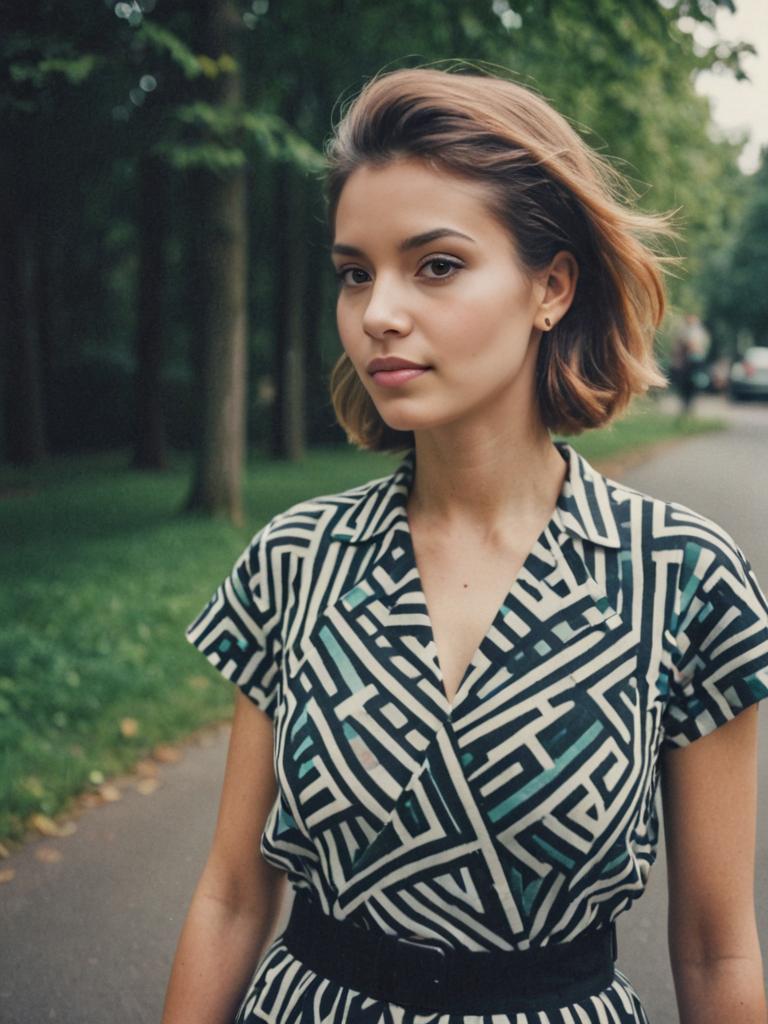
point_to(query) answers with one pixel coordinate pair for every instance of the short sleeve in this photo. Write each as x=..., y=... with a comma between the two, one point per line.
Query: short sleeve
x=238, y=631
x=721, y=657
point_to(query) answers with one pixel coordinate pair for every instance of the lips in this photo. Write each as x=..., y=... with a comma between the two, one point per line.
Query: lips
x=394, y=372
x=388, y=363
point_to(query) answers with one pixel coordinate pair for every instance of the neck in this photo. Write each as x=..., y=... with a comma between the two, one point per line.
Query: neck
x=484, y=480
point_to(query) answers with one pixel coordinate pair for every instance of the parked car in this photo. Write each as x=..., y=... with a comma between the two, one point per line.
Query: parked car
x=749, y=375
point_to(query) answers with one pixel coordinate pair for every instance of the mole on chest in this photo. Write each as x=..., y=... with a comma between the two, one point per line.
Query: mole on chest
x=461, y=613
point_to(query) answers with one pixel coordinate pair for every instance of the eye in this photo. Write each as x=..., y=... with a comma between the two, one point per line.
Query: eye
x=442, y=267
x=341, y=276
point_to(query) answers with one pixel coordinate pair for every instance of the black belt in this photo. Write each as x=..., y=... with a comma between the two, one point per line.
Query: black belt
x=428, y=976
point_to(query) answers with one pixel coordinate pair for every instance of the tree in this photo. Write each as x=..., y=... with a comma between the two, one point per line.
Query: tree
x=735, y=305
x=26, y=430
x=289, y=352
x=50, y=54
x=144, y=121
x=153, y=188
x=216, y=488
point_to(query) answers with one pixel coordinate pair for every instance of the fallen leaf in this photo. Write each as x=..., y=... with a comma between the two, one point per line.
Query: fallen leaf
x=7, y=874
x=198, y=682
x=67, y=828
x=110, y=793
x=4, y=851
x=166, y=754
x=129, y=727
x=146, y=769
x=147, y=786
x=88, y=800
x=48, y=855
x=45, y=826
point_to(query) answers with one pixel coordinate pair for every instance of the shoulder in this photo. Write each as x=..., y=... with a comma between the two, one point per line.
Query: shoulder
x=673, y=548
x=659, y=526
x=313, y=522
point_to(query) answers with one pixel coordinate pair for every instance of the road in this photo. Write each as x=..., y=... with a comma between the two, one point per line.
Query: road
x=89, y=939
x=723, y=476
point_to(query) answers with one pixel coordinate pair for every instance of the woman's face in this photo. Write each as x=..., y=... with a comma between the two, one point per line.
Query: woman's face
x=428, y=276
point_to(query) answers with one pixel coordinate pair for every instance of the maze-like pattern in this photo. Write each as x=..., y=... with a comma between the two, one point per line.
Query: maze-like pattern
x=524, y=811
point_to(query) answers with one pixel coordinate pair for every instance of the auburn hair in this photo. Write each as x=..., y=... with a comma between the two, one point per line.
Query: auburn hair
x=552, y=192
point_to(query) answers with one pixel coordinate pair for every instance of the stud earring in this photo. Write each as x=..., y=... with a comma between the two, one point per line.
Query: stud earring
x=547, y=321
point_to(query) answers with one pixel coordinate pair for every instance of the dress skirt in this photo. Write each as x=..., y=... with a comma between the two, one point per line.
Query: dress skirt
x=284, y=991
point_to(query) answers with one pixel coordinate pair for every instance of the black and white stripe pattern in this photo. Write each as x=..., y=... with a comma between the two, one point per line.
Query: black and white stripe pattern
x=524, y=811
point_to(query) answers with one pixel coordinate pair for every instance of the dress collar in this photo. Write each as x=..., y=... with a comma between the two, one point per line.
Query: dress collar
x=585, y=506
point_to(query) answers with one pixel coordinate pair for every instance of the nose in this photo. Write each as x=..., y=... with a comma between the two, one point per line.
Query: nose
x=386, y=312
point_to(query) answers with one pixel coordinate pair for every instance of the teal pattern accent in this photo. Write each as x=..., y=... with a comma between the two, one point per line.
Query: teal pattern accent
x=523, y=811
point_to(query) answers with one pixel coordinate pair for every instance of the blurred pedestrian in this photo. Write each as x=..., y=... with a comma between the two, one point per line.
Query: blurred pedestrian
x=689, y=350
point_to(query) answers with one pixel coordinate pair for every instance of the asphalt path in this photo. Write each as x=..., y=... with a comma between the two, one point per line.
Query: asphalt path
x=89, y=922
x=723, y=476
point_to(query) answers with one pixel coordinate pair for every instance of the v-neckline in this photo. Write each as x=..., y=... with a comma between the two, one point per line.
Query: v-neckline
x=539, y=545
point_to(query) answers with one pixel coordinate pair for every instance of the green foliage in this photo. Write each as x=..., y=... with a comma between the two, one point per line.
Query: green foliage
x=71, y=92
x=230, y=133
x=279, y=141
x=108, y=577
x=167, y=42
x=735, y=304
x=75, y=70
x=750, y=261
x=624, y=76
x=206, y=156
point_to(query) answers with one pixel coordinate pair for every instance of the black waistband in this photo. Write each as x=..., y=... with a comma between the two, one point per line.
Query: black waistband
x=432, y=977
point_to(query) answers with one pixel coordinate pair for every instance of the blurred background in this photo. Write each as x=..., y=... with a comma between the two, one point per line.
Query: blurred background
x=162, y=213
x=167, y=328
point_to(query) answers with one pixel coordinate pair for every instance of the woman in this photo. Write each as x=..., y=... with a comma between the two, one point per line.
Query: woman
x=478, y=668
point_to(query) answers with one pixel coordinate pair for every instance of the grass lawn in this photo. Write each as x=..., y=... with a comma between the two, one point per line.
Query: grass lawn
x=101, y=575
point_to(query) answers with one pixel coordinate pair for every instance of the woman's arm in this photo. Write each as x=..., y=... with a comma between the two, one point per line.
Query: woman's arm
x=709, y=790
x=237, y=899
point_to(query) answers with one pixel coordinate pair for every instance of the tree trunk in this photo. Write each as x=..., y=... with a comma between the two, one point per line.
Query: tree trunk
x=25, y=416
x=289, y=424
x=319, y=411
x=46, y=299
x=217, y=484
x=150, y=445
x=194, y=292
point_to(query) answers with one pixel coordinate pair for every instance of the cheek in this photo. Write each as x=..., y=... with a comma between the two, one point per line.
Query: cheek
x=492, y=311
x=347, y=326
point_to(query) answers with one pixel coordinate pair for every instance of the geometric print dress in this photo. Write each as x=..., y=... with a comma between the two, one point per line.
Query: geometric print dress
x=523, y=811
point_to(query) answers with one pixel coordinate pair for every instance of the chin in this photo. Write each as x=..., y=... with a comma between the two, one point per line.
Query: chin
x=411, y=421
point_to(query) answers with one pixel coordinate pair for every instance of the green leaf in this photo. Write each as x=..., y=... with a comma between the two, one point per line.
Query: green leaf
x=235, y=127
x=168, y=42
x=209, y=156
x=75, y=70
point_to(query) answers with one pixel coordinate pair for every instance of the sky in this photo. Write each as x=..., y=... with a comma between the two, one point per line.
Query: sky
x=741, y=105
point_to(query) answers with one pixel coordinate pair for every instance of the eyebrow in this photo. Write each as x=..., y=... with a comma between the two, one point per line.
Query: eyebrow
x=414, y=242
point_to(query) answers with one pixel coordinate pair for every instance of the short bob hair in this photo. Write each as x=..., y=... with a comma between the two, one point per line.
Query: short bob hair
x=552, y=192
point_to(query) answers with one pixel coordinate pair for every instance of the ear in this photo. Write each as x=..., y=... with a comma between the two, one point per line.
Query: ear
x=558, y=287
